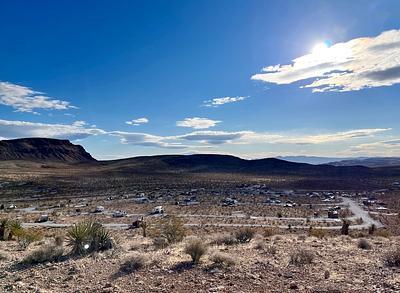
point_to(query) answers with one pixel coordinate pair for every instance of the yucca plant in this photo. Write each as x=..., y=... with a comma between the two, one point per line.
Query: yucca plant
x=78, y=238
x=9, y=228
x=86, y=237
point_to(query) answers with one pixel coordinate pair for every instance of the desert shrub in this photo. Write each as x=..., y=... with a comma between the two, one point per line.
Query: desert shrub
x=59, y=240
x=244, y=235
x=133, y=264
x=319, y=233
x=222, y=260
x=196, y=249
x=327, y=275
x=392, y=258
x=301, y=257
x=271, y=249
x=259, y=245
x=160, y=242
x=48, y=253
x=26, y=237
x=225, y=239
x=171, y=228
x=364, y=244
x=86, y=237
x=3, y=256
x=269, y=232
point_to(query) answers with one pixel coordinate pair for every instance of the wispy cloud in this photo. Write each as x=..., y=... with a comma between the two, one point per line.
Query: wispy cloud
x=216, y=102
x=138, y=121
x=386, y=148
x=354, y=65
x=18, y=129
x=24, y=99
x=197, y=123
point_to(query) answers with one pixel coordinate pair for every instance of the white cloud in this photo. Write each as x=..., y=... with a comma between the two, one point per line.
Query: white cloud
x=197, y=123
x=24, y=99
x=354, y=65
x=19, y=129
x=138, y=121
x=216, y=102
x=144, y=139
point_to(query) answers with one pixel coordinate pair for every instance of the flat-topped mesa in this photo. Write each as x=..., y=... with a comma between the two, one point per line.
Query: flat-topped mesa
x=43, y=149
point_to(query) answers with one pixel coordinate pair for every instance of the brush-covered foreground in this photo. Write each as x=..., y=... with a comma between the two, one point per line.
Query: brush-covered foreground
x=263, y=263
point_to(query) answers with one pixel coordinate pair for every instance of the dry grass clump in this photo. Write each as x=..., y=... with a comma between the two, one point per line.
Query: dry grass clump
x=271, y=249
x=47, y=253
x=319, y=233
x=269, y=232
x=26, y=237
x=196, y=249
x=133, y=264
x=301, y=257
x=225, y=239
x=222, y=260
x=364, y=244
x=244, y=235
x=9, y=228
x=392, y=258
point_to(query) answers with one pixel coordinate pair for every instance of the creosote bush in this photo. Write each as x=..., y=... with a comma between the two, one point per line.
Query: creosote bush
x=196, y=249
x=301, y=257
x=170, y=228
x=364, y=244
x=86, y=237
x=244, y=235
x=392, y=258
x=47, y=253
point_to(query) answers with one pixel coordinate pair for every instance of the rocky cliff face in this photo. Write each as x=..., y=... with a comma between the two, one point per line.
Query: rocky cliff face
x=43, y=149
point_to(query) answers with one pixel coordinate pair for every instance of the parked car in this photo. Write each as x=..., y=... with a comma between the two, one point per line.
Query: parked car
x=119, y=214
x=42, y=219
x=157, y=210
x=99, y=209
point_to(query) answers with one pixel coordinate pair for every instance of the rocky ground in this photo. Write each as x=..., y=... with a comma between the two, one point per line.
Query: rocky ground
x=262, y=265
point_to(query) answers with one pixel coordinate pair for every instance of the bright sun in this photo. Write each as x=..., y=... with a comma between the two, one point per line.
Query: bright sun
x=320, y=49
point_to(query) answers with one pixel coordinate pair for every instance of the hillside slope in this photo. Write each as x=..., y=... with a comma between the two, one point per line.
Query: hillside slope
x=43, y=149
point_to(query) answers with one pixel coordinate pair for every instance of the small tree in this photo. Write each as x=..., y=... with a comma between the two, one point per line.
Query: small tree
x=345, y=227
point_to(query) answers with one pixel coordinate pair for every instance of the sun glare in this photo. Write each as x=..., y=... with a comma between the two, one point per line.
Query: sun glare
x=320, y=48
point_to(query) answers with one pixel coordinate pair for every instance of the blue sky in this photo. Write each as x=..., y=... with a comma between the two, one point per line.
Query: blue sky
x=128, y=78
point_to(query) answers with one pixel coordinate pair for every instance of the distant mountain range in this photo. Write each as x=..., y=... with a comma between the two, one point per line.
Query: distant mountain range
x=43, y=149
x=356, y=161
x=56, y=151
x=369, y=162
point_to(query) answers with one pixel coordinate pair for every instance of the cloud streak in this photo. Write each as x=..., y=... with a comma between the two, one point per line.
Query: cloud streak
x=216, y=102
x=138, y=121
x=350, y=66
x=197, y=123
x=24, y=99
x=18, y=129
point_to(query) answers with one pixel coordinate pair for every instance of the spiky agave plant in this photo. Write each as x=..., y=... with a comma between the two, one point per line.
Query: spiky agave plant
x=100, y=239
x=78, y=236
x=86, y=237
